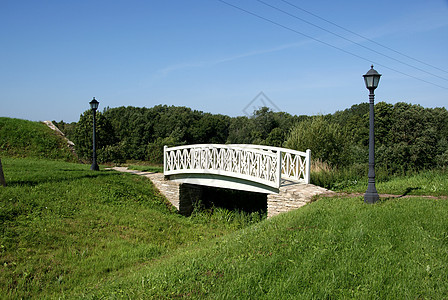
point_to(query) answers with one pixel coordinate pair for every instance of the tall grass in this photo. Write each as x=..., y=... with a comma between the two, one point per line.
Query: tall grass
x=232, y=219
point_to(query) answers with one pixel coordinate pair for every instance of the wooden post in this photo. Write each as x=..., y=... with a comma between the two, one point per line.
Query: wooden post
x=279, y=168
x=308, y=166
x=2, y=177
x=164, y=159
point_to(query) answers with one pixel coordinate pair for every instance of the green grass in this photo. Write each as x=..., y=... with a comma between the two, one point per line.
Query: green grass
x=63, y=226
x=427, y=182
x=22, y=138
x=68, y=232
x=146, y=168
x=332, y=248
x=434, y=183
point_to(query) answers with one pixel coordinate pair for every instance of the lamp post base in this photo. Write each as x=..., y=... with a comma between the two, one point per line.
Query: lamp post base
x=94, y=167
x=371, y=195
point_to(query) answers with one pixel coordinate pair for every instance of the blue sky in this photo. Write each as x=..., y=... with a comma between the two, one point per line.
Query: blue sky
x=56, y=55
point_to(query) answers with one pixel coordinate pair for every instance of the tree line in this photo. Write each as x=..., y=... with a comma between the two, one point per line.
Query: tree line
x=408, y=136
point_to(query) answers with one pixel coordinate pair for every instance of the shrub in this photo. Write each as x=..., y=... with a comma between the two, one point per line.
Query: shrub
x=325, y=140
x=154, y=151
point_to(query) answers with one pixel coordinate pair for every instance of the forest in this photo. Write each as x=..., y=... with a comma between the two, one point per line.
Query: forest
x=408, y=137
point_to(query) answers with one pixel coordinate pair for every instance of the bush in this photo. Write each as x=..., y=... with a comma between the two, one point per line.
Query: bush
x=112, y=153
x=154, y=151
x=325, y=139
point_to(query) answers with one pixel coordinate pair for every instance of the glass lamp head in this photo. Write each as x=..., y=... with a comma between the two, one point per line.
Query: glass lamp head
x=372, y=79
x=94, y=104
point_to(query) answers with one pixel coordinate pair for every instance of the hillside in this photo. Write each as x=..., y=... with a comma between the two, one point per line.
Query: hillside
x=334, y=248
x=22, y=138
x=64, y=227
x=72, y=233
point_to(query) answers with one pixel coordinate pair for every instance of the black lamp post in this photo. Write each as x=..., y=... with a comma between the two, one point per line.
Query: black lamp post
x=94, y=106
x=372, y=78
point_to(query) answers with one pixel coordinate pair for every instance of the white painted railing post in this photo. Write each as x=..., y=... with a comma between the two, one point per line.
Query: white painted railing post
x=279, y=167
x=165, y=167
x=308, y=166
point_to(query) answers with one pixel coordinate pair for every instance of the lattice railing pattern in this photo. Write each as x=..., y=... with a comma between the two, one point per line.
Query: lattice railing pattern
x=228, y=160
x=251, y=162
x=295, y=164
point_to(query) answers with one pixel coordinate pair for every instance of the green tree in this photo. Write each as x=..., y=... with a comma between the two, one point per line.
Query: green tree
x=210, y=128
x=66, y=128
x=325, y=139
x=82, y=135
x=241, y=131
x=265, y=122
x=276, y=137
x=154, y=150
x=407, y=137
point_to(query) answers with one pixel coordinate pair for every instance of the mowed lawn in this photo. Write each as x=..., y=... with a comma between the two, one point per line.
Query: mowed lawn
x=67, y=232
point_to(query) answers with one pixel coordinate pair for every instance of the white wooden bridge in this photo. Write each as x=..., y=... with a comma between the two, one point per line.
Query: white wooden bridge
x=283, y=175
x=253, y=168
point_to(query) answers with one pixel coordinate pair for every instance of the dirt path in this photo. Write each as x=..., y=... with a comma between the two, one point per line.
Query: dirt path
x=384, y=196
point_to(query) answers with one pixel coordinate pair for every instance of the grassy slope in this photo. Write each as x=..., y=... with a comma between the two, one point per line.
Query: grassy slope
x=63, y=226
x=69, y=232
x=22, y=138
x=335, y=247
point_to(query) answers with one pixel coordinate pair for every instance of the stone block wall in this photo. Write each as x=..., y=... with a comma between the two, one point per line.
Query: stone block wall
x=189, y=194
x=280, y=203
x=292, y=195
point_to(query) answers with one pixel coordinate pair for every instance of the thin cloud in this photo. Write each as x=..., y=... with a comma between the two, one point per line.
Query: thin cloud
x=412, y=23
x=202, y=64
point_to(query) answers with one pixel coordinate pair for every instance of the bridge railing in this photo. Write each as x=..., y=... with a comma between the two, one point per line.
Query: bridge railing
x=295, y=164
x=263, y=164
x=227, y=160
